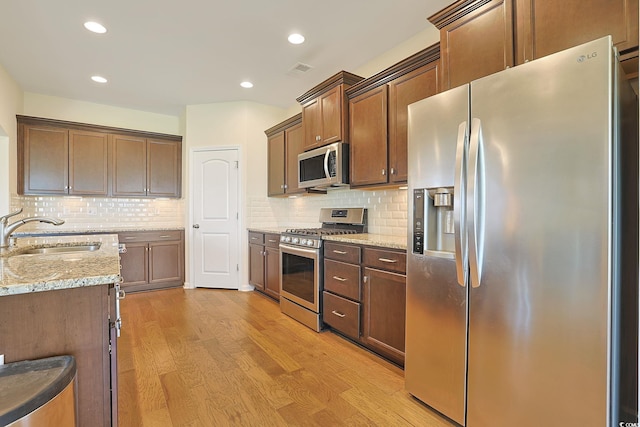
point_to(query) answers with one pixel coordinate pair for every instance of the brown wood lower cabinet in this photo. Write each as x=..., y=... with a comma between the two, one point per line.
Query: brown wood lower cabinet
x=154, y=260
x=68, y=321
x=364, y=296
x=264, y=263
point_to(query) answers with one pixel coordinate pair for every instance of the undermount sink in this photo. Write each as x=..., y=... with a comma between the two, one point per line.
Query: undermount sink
x=60, y=249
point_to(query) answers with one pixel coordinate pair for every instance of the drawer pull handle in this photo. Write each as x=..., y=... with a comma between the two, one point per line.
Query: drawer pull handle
x=338, y=314
x=341, y=279
x=339, y=252
x=164, y=236
x=254, y=238
x=392, y=261
x=272, y=241
x=129, y=237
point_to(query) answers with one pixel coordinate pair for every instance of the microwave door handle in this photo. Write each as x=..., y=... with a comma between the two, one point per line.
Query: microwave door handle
x=326, y=163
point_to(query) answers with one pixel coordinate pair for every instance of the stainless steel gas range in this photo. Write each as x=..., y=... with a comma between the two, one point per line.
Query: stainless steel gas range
x=301, y=263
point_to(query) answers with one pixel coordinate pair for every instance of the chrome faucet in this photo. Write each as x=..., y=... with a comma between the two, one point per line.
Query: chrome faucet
x=6, y=229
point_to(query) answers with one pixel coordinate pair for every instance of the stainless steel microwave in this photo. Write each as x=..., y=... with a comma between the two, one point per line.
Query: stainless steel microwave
x=324, y=167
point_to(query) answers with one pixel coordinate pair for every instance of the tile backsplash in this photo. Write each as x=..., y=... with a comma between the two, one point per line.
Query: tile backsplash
x=93, y=213
x=386, y=210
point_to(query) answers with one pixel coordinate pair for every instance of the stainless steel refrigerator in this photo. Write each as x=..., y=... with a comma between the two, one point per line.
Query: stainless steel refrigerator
x=523, y=245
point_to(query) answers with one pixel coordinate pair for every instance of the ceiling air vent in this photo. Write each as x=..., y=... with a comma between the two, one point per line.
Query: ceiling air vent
x=299, y=69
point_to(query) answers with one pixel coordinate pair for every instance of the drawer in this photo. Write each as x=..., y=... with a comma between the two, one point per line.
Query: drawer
x=149, y=236
x=342, y=279
x=271, y=240
x=344, y=253
x=256, y=238
x=341, y=314
x=385, y=260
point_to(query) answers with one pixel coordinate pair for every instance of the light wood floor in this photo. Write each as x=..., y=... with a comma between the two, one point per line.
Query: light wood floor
x=218, y=357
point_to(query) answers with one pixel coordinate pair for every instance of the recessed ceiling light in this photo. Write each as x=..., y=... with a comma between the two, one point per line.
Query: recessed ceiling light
x=98, y=79
x=296, y=38
x=95, y=27
x=246, y=85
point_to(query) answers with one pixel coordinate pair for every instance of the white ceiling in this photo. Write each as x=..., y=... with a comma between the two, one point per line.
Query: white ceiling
x=160, y=55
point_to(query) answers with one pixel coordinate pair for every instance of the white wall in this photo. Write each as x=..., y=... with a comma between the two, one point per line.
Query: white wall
x=10, y=105
x=54, y=107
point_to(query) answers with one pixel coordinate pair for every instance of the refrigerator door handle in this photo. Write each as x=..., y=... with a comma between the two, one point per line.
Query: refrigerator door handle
x=475, y=202
x=459, y=223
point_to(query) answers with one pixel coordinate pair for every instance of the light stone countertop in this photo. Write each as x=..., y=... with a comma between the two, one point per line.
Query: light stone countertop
x=380, y=240
x=274, y=230
x=56, y=231
x=21, y=274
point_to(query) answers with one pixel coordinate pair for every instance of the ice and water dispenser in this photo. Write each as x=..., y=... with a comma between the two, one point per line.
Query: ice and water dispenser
x=433, y=230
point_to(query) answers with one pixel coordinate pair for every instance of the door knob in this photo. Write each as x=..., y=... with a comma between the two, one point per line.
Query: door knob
x=196, y=225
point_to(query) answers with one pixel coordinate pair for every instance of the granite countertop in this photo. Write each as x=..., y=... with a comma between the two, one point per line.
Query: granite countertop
x=274, y=230
x=380, y=240
x=74, y=232
x=22, y=273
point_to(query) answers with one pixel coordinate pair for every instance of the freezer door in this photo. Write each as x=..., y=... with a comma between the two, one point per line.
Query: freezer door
x=436, y=327
x=539, y=307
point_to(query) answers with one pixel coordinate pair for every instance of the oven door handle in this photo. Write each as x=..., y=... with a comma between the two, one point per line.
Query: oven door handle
x=304, y=252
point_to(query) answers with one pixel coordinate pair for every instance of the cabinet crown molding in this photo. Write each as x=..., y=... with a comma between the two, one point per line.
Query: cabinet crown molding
x=30, y=120
x=343, y=77
x=407, y=65
x=291, y=121
x=454, y=11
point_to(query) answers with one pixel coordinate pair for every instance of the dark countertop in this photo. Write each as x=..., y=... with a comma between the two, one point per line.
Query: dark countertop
x=25, y=386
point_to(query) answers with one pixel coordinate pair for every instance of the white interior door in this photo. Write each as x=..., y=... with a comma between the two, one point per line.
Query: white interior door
x=216, y=235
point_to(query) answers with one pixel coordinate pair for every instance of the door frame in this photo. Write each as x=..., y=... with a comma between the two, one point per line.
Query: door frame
x=190, y=279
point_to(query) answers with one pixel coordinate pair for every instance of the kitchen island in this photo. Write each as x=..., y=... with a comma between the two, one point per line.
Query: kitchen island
x=63, y=302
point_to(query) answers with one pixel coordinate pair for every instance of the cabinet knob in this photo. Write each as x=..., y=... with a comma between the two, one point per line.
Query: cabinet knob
x=393, y=171
x=196, y=225
x=365, y=279
x=384, y=172
x=318, y=138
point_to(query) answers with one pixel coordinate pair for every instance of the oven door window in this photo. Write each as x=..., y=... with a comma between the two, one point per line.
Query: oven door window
x=298, y=276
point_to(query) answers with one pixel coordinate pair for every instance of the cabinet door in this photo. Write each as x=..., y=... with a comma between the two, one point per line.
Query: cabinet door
x=294, y=145
x=134, y=265
x=405, y=90
x=46, y=160
x=384, y=312
x=368, y=140
x=331, y=116
x=477, y=44
x=165, y=262
x=88, y=173
x=256, y=266
x=545, y=28
x=164, y=166
x=129, y=166
x=312, y=124
x=276, y=164
x=272, y=272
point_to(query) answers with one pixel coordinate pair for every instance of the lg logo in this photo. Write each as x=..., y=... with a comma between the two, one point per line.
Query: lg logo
x=591, y=55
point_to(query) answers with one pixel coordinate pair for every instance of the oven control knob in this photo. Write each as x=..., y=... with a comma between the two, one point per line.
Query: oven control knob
x=295, y=241
x=310, y=242
x=283, y=239
x=303, y=242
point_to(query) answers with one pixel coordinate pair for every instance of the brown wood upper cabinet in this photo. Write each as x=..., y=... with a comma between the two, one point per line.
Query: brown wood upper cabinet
x=481, y=37
x=548, y=26
x=476, y=39
x=59, y=158
x=284, y=142
x=325, y=112
x=378, y=118
x=59, y=161
x=145, y=167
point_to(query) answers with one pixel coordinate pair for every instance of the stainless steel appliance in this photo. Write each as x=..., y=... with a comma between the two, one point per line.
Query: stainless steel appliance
x=523, y=245
x=324, y=167
x=301, y=263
